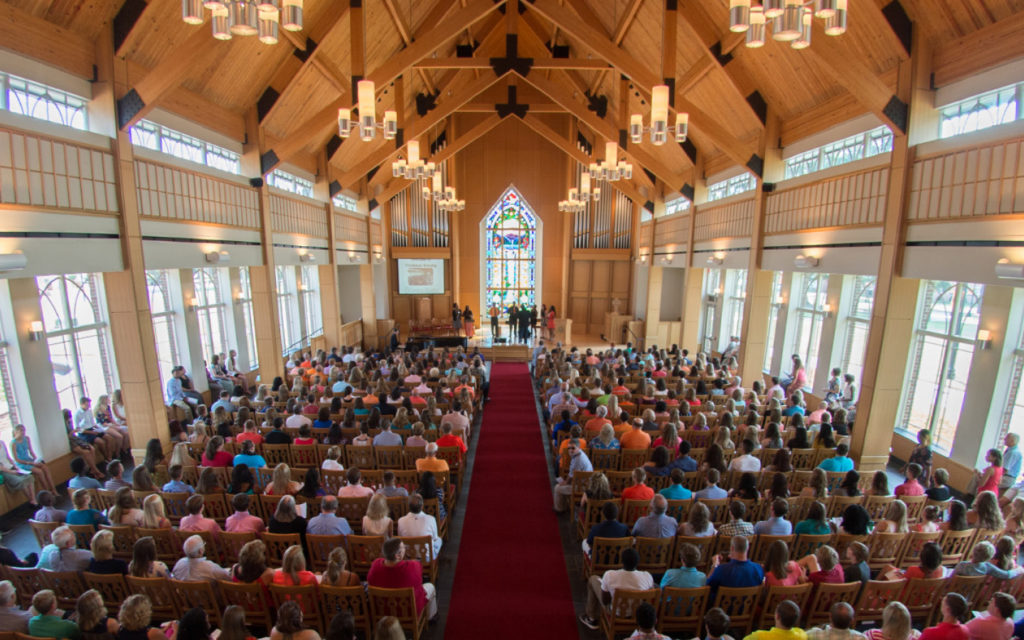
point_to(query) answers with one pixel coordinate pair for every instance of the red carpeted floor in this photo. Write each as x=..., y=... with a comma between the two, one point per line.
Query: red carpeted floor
x=510, y=576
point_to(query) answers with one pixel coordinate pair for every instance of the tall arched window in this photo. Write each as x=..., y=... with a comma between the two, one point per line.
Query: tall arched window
x=76, y=331
x=162, y=312
x=210, y=311
x=940, y=363
x=510, y=236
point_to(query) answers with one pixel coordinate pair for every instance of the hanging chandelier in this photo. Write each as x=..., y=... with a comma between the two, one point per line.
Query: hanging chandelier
x=413, y=168
x=366, y=99
x=246, y=17
x=578, y=198
x=791, y=20
x=443, y=197
x=608, y=169
x=659, y=128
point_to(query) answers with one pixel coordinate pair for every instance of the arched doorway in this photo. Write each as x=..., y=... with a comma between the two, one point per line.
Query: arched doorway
x=510, y=254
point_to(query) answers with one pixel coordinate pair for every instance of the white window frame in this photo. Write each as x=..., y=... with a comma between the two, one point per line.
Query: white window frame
x=72, y=335
x=808, y=347
x=287, y=307
x=774, y=314
x=856, y=321
x=244, y=300
x=732, y=186
x=43, y=102
x=161, y=280
x=982, y=111
x=309, y=296
x=711, y=293
x=931, y=291
x=736, y=286
x=213, y=342
x=833, y=154
x=161, y=139
x=290, y=182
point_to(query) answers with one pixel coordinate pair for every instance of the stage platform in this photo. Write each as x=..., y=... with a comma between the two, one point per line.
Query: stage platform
x=512, y=352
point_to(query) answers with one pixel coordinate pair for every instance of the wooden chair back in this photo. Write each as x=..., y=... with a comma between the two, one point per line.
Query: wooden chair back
x=305, y=595
x=422, y=548
x=885, y=549
x=389, y=457
x=124, y=540
x=305, y=456
x=630, y=459
x=704, y=544
x=605, y=554
x=921, y=596
x=876, y=506
x=679, y=509
x=400, y=603
x=620, y=617
x=827, y=595
x=83, y=534
x=174, y=506
x=398, y=506
x=633, y=511
x=590, y=516
x=362, y=551
x=604, y=459
x=841, y=541
x=807, y=544
x=42, y=531
x=26, y=581
x=335, y=600
x=320, y=548
x=197, y=594
x=800, y=594
x=911, y=555
x=915, y=507
x=111, y=586
x=739, y=603
x=249, y=596
x=655, y=554
x=66, y=585
x=277, y=544
x=970, y=587
x=160, y=594
x=956, y=545
x=682, y=610
x=231, y=544
x=874, y=597
x=275, y=454
x=360, y=456
x=353, y=510
x=762, y=543
x=837, y=504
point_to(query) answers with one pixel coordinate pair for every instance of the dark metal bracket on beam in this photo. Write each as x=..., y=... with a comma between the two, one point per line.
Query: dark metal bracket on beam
x=512, y=107
x=426, y=102
x=266, y=102
x=687, y=191
x=127, y=106
x=756, y=164
x=304, y=55
x=597, y=104
x=512, y=61
x=125, y=20
x=898, y=112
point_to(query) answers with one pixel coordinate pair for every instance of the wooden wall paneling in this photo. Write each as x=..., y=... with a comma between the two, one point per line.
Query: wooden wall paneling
x=293, y=215
x=171, y=192
x=729, y=220
x=847, y=200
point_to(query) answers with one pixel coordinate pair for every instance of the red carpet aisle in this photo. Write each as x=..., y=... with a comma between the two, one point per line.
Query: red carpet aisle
x=510, y=579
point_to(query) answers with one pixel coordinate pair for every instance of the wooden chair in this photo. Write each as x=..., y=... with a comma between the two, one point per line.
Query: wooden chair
x=719, y=509
x=911, y=555
x=422, y=548
x=705, y=545
x=42, y=531
x=827, y=595
x=66, y=585
x=400, y=603
x=231, y=545
x=682, y=610
x=970, y=587
x=605, y=554
x=103, y=499
x=885, y=549
x=26, y=581
x=360, y=456
x=353, y=510
x=739, y=603
x=874, y=597
x=803, y=459
x=761, y=544
x=620, y=617
x=277, y=544
x=124, y=540
x=320, y=548
x=304, y=456
x=305, y=595
x=398, y=506
x=334, y=600
x=987, y=535
x=956, y=545
x=633, y=511
x=841, y=541
x=216, y=507
x=580, y=480
x=630, y=459
x=197, y=594
x=799, y=594
x=836, y=505
x=589, y=516
x=268, y=505
x=83, y=534
x=655, y=554
x=362, y=551
x=250, y=597
x=160, y=593
x=332, y=481
x=679, y=509
x=618, y=480
x=807, y=544
x=275, y=454
x=389, y=457
x=604, y=459
x=922, y=596
x=915, y=507
x=876, y=506
x=174, y=506
x=112, y=587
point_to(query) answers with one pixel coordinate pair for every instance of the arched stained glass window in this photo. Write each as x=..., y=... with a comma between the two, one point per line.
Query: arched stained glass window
x=511, y=239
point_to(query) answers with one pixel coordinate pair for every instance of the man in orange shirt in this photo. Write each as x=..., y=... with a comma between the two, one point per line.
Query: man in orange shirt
x=593, y=426
x=250, y=433
x=449, y=439
x=639, y=490
x=636, y=438
x=431, y=462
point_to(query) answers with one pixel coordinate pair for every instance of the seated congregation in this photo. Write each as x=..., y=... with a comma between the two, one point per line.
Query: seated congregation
x=326, y=523
x=740, y=512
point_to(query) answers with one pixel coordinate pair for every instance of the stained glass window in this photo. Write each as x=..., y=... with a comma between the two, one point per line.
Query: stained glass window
x=511, y=237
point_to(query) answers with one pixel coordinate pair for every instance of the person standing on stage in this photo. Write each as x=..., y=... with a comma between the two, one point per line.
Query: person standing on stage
x=533, y=320
x=513, y=322
x=467, y=319
x=524, y=324
x=550, y=322
x=494, y=312
x=456, y=318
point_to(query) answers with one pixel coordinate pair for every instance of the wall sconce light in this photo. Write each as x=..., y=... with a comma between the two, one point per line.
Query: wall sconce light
x=352, y=257
x=666, y=259
x=827, y=308
x=35, y=330
x=643, y=258
x=13, y=261
x=193, y=302
x=213, y=257
x=711, y=297
x=715, y=260
x=307, y=257
x=806, y=262
x=780, y=300
x=984, y=339
x=1009, y=270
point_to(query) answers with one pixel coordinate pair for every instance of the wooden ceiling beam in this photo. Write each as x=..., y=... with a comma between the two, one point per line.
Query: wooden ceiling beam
x=585, y=64
x=403, y=32
x=827, y=114
x=620, y=34
x=382, y=155
x=175, y=66
x=129, y=16
x=574, y=152
x=987, y=47
x=848, y=69
x=488, y=107
x=557, y=92
x=33, y=37
x=317, y=127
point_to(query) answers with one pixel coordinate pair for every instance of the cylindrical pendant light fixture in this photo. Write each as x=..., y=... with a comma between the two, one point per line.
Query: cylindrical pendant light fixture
x=414, y=151
x=636, y=128
x=367, y=118
x=611, y=153
x=243, y=18
x=192, y=11
x=824, y=8
x=836, y=25
x=291, y=15
x=773, y=8
x=756, y=32
x=221, y=23
x=739, y=15
x=268, y=27
x=787, y=28
x=804, y=40
x=390, y=124
x=682, y=126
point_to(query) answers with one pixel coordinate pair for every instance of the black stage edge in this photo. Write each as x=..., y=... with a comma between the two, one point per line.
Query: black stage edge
x=426, y=342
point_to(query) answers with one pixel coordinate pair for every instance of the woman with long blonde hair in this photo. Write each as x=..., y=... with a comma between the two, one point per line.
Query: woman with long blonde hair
x=293, y=568
x=377, y=522
x=153, y=516
x=337, y=573
x=281, y=483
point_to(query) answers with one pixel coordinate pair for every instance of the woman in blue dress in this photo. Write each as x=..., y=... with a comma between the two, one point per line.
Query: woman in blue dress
x=25, y=459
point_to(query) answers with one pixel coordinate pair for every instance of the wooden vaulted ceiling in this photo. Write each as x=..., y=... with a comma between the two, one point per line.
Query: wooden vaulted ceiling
x=410, y=48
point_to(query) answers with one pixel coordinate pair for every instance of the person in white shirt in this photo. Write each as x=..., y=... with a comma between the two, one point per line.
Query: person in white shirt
x=194, y=566
x=416, y=523
x=600, y=591
x=297, y=420
x=745, y=462
x=331, y=461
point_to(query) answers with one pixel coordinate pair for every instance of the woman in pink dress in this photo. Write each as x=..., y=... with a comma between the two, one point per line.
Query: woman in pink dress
x=551, y=323
x=467, y=320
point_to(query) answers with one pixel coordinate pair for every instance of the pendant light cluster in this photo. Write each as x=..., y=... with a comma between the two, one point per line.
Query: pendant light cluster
x=366, y=98
x=659, y=128
x=578, y=198
x=790, y=19
x=610, y=169
x=415, y=168
x=260, y=18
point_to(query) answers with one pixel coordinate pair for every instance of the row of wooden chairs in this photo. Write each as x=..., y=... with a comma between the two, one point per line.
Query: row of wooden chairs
x=362, y=456
x=658, y=555
x=171, y=598
x=628, y=459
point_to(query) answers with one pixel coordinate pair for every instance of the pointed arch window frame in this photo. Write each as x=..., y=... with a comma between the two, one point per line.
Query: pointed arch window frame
x=538, y=247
